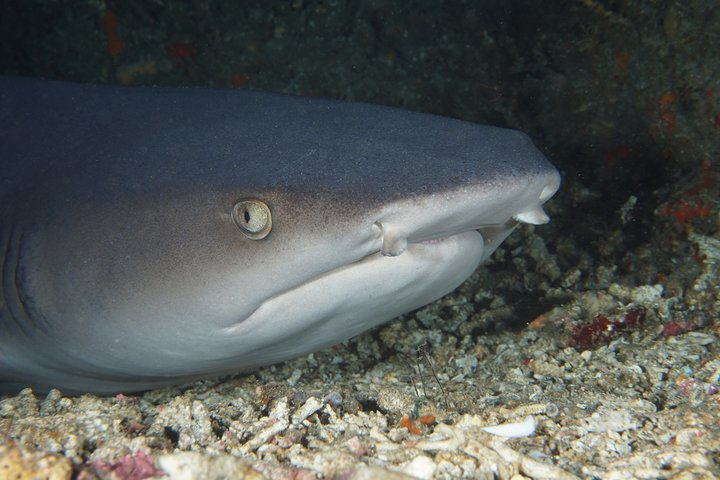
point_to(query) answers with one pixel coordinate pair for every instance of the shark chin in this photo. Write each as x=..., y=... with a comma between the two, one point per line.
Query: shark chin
x=364, y=294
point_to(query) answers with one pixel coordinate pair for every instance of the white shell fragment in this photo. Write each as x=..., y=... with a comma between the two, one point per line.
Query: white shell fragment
x=514, y=430
x=310, y=406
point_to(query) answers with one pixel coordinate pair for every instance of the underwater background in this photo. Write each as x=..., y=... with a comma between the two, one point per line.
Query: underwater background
x=602, y=325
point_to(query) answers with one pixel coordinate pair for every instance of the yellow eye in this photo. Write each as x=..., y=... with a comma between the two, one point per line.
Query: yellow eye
x=253, y=218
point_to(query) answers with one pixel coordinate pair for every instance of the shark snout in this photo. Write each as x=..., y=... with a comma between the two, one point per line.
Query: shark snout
x=493, y=213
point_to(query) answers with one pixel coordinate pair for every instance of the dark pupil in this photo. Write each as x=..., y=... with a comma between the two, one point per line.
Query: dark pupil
x=247, y=216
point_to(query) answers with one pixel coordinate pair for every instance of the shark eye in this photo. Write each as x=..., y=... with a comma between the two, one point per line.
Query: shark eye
x=253, y=218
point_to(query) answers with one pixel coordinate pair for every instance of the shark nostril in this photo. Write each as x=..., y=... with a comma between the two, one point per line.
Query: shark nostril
x=550, y=189
x=547, y=192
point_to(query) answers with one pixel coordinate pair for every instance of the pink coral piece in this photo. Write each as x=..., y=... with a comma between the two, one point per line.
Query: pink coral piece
x=138, y=466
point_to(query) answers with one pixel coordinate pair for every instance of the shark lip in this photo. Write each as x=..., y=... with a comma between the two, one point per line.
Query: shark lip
x=393, y=246
x=433, y=241
x=394, y=243
x=494, y=213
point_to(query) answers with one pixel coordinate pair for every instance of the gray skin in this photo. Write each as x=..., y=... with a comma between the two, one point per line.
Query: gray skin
x=122, y=267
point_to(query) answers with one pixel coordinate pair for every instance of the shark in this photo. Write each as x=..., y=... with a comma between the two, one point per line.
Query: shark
x=153, y=236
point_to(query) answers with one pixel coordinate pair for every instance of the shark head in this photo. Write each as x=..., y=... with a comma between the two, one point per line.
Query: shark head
x=210, y=232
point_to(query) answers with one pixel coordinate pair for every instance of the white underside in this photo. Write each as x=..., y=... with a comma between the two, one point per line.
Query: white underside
x=352, y=299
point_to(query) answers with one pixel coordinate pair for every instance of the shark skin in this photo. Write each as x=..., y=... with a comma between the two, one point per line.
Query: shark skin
x=155, y=236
